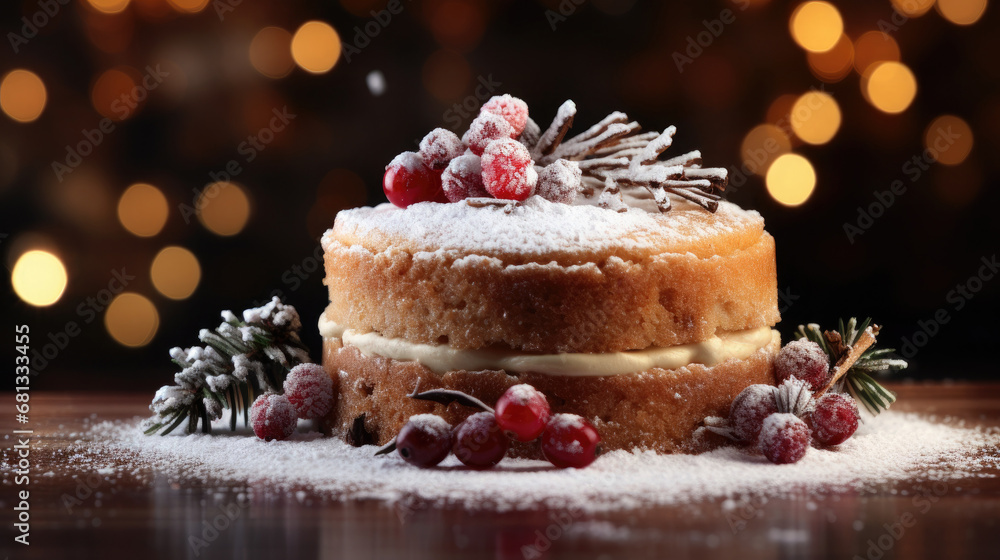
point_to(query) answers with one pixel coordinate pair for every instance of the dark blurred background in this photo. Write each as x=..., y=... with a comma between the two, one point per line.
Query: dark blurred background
x=162, y=160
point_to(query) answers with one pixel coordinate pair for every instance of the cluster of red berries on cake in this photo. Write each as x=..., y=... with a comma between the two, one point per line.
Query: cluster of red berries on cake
x=492, y=159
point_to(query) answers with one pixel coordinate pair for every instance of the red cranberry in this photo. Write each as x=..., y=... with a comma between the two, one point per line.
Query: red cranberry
x=784, y=438
x=439, y=147
x=272, y=417
x=479, y=441
x=834, y=418
x=408, y=181
x=508, y=172
x=484, y=130
x=805, y=360
x=749, y=409
x=522, y=412
x=310, y=390
x=570, y=441
x=512, y=109
x=463, y=179
x=425, y=440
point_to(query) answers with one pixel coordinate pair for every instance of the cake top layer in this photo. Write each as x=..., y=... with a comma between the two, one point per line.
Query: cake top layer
x=541, y=231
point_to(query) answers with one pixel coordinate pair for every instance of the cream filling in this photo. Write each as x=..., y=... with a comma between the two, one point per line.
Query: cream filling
x=442, y=358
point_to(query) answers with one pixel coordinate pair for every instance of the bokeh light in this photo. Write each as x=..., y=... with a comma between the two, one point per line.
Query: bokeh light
x=949, y=138
x=271, y=52
x=109, y=6
x=142, y=210
x=912, y=8
x=223, y=208
x=872, y=47
x=188, y=6
x=22, y=95
x=815, y=117
x=132, y=320
x=316, y=47
x=115, y=93
x=889, y=86
x=762, y=145
x=816, y=26
x=962, y=12
x=446, y=75
x=175, y=272
x=791, y=179
x=835, y=64
x=779, y=111
x=39, y=278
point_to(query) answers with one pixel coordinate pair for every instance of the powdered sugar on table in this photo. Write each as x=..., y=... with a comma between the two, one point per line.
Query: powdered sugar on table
x=893, y=447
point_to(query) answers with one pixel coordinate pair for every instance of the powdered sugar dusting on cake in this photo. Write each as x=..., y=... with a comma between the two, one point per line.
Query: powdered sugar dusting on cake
x=891, y=447
x=537, y=227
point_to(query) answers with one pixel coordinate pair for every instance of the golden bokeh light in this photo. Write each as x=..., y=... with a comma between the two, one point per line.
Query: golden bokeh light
x=815, y=117
x=109, y=6
x=22, y=95
x=188, y=6
x=316, y=47
x=961, y=12
x=112, y=94
x=791, y=180
x=816, y=26
x=912, y=8
x=175, y=272
x=889, y=86
x=872, y=47
x=39, y=278
x=762, y=145
x=223, y=208
x=142, y=210
x=779, y=110
x=271, y=52
x=835, y=64
x=132, y=320
x=446, y=75
x=949, y=139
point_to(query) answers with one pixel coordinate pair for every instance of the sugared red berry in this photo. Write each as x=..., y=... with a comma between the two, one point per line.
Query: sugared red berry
x=425, y=440
x=805, y=360
x=512, y=109
x=784, y=438
x=310, y=390
x=463, y=178
x=485, y=129
x=439, y=147
x=559, y=181
x=508, y=172
x=834, y=418
x=749, y=409
x=570, y=441
x=479, y=441
x=522, y=412
x=272, y=417
x=408, y=181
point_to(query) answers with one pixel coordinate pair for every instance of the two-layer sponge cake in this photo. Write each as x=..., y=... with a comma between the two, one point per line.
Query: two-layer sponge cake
x=642, y=322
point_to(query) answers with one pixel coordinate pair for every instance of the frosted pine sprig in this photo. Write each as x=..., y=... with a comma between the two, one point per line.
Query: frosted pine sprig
x=240, y=359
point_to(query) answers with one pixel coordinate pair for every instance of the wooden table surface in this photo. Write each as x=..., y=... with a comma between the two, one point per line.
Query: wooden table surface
x=136, y=519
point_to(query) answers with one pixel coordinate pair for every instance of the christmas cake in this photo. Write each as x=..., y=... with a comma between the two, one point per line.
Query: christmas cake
x=615, y=280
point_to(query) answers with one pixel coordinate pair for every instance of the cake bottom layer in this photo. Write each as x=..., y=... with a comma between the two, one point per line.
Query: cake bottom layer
x=657, y=409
